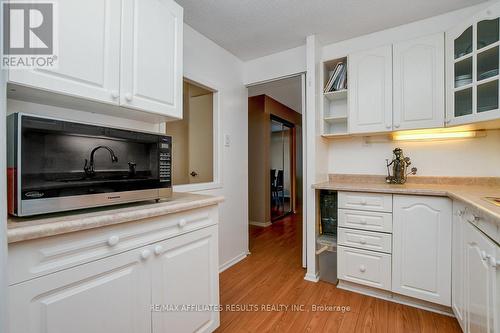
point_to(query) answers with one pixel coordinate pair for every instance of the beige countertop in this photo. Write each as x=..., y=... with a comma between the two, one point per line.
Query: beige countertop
x=471, y=191
x=22, y=229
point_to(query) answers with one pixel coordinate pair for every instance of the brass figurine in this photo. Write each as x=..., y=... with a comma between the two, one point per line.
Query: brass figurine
x=400, y=164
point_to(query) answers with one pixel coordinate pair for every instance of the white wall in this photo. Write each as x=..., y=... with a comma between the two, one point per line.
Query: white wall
x=467, y=157
x=472, y=157
x=277, y=65
x=207, y=63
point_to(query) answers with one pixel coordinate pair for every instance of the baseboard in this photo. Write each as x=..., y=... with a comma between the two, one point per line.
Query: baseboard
x=260, y=224
x=232, y=262
x=312, y=277
x=396, y=298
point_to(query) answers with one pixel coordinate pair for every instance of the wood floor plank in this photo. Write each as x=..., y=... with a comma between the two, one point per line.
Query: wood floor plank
x=272, y=275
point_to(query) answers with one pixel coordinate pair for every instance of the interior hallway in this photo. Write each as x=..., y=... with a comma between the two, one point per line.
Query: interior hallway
x=272, y=274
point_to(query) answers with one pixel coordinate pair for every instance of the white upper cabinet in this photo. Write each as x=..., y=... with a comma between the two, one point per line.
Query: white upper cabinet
x=121, y=52
x=421, y=257
x=151, y=62
x=89, y=52
x=370, y=90
x=472, y=60
x=419, y=83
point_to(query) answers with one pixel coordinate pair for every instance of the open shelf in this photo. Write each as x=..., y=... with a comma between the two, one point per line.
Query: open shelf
x=335, y=112
x=336, y=95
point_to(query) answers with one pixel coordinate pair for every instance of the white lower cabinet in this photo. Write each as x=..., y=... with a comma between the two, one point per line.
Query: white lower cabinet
x=480, y=282
x=111, y=295
x=458, y=264
x=186, y=273
x=365, y=267
x=421, y=265
x=133, y=291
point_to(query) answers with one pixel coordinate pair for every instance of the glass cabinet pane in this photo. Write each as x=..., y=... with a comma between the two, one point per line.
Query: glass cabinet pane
x=487, y=32
x=463, y=72
x=487, y=63
x=463, y=102
x=487, y=96
x=463, y=44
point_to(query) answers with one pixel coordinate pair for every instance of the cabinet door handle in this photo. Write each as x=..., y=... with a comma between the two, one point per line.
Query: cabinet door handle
x=158, y=250
x=483, y=255
x=182, y=223
x=362, y=221
x=128, y=97
x=362, y=241
x=115, y=94
x=397, y=125
x=362, y=268
x=113, y=240
x=145, y=254
x=363, y=202
x=461, y=212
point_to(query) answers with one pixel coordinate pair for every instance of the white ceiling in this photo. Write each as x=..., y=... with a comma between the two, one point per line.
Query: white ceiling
x=286, y=91
x=254, y=28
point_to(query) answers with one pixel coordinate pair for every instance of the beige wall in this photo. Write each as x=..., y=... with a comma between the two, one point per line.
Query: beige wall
x=182, y=136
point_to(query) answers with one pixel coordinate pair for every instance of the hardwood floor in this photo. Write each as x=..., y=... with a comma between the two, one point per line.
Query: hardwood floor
x=272, y=275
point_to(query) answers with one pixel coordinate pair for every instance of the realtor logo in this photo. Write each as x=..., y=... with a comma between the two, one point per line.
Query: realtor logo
x=29, y=34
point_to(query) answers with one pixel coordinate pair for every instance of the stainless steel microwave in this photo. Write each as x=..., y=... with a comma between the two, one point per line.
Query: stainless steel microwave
x=56, y=165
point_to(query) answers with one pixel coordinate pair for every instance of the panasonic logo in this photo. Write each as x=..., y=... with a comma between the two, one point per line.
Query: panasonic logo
x=34, y=194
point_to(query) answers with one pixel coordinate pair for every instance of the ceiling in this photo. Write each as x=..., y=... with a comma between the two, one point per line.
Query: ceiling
x=253, y=28
x=286, y=91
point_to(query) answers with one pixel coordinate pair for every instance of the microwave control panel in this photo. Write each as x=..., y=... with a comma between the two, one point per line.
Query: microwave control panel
x=165, y=150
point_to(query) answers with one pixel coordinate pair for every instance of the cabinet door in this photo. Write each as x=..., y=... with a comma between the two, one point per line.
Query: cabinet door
x=419, y=83
x=108, y=295
x=89, y=52
x=370, y=90
x=421, y=265
x=472, y=64
x=151, y=56
x=458, y=264
x=480, y=281
x=185, y=272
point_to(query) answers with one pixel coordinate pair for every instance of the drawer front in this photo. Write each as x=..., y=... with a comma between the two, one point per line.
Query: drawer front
x=367, y=240
x=374, y=202
x=358, y=219
x=31, y=259
x=364, y=267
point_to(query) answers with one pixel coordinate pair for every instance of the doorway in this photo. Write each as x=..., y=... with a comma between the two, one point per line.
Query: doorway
x=282, y=173
x=275, y=163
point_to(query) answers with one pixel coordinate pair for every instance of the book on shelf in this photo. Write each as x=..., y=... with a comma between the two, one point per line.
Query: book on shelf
x=337, y=78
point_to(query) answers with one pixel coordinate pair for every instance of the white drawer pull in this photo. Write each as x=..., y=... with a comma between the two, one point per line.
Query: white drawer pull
x=113, y=240
x=115, y=94
x=182, y=223
x=158, y=250
x=362, y=268
x=362, y=241
x=483, y=255
x=363, y=202
x=362, y=221
x=128, y=97
x=145, y=254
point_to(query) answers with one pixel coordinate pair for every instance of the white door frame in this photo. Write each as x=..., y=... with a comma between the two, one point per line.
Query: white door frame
x=302, y=76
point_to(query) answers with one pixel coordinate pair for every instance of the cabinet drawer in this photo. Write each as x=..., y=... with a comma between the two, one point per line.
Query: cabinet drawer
x=375, y=202
x=31, y=259
x=368, y=240
x=364, y=267
x=372, y=221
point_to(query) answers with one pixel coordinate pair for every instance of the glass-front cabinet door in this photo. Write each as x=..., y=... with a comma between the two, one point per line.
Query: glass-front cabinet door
x=472, y=52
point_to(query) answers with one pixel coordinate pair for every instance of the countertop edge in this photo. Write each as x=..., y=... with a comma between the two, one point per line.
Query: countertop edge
x=26, y=233
x=450, y=193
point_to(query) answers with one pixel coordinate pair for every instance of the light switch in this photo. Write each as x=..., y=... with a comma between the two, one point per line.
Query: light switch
x=227, y=140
